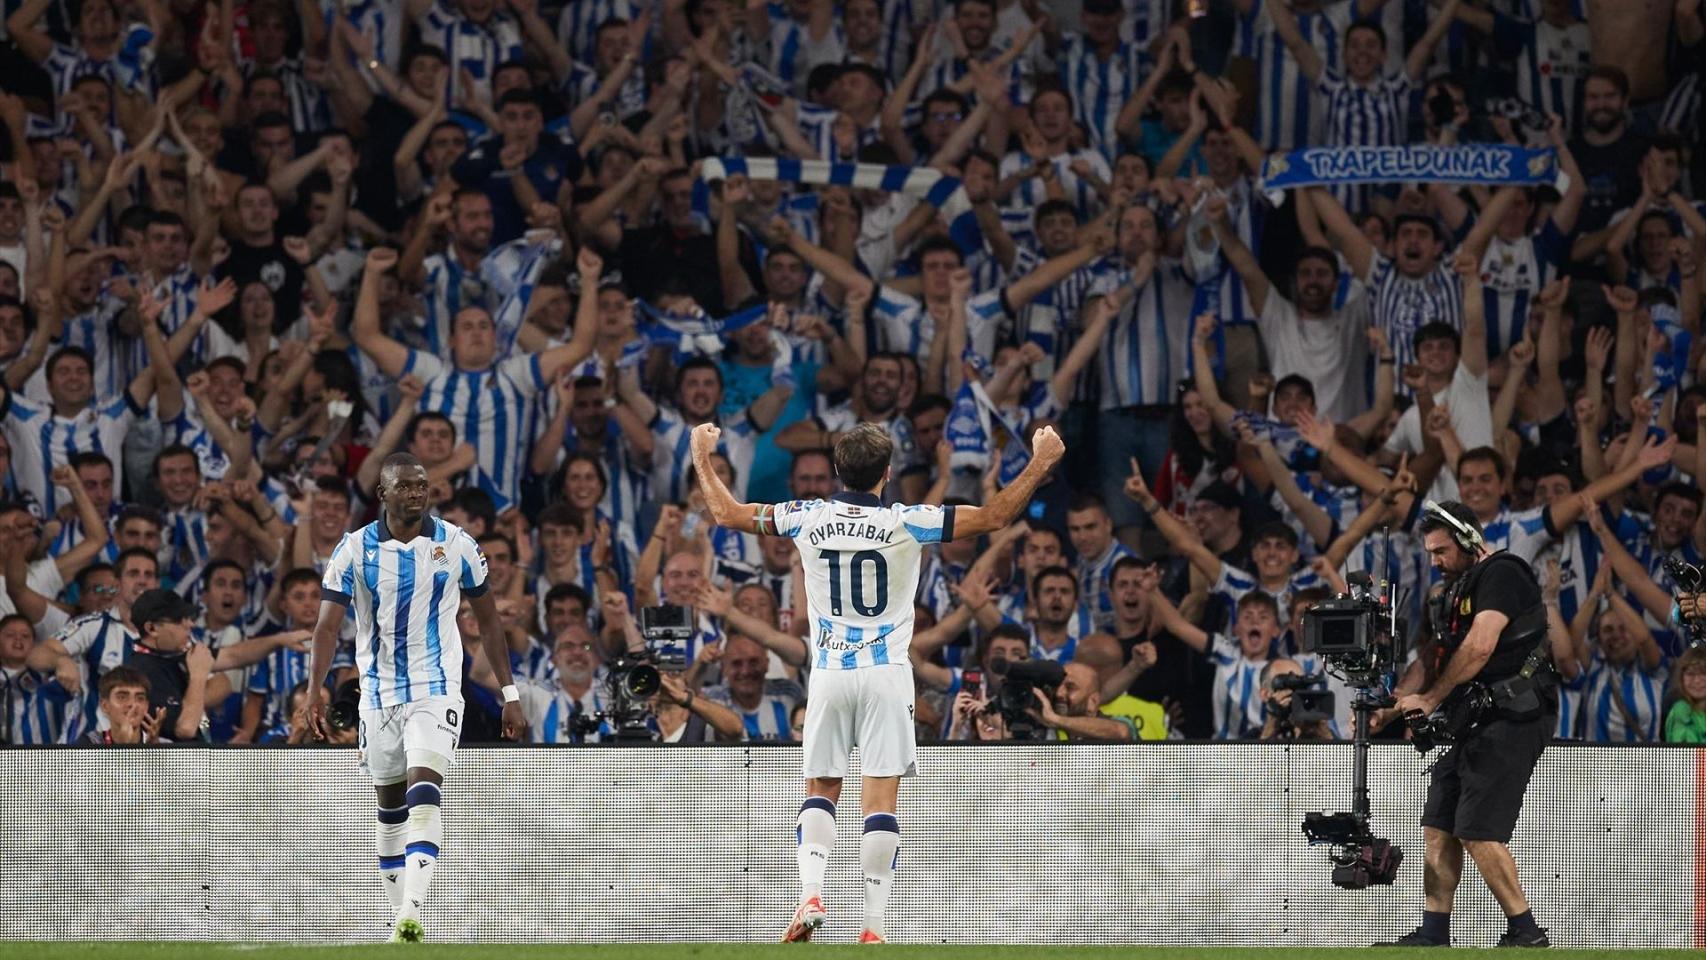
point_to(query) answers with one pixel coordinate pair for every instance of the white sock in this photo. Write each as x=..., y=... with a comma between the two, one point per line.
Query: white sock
x=389, y=841
x=879, y=851
x=814, y=832
x=425, y=832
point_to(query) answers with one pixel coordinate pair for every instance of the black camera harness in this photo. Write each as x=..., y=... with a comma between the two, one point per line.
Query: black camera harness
x=1516, y=697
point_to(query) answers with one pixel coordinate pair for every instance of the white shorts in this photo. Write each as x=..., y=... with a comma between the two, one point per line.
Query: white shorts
x=869, y=708
x=422, y=733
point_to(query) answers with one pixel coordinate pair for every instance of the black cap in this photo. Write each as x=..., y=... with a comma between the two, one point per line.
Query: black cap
x=1221, y=494
x=160, y=606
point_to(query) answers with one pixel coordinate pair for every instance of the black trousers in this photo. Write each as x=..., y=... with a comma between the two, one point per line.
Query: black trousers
x=1476, y=789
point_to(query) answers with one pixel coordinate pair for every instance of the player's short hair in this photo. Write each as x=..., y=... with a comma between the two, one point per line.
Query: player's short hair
x=121, y=676
x=862, y=457
x=298, y=577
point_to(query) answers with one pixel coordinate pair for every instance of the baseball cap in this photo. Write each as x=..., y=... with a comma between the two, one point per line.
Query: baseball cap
x=1221, y=494
x=160, y=606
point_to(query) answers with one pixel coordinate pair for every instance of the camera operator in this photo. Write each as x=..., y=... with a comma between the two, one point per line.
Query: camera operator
x=1492, y=630
x=1278, y=701
x=1074, y=711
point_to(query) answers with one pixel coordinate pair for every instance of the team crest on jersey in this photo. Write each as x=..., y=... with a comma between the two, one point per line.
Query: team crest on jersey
x=438, y=556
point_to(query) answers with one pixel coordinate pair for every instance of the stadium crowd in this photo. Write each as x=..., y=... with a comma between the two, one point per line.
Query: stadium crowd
x=248, y=248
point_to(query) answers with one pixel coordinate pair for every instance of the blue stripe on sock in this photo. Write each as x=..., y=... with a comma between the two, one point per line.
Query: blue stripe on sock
x=882, y=821
x=423, y=846
x=422, y=793
x=819, y=803
x=394, y=815
x=392, y=863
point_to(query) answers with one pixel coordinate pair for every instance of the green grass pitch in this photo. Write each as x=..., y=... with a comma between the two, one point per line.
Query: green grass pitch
x=722, y=951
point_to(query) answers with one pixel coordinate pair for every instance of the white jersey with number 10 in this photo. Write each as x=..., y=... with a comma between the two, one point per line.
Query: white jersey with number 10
x=862, y=562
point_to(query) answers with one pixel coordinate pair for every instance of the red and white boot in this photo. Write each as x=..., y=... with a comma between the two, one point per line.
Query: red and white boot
x=807, y=919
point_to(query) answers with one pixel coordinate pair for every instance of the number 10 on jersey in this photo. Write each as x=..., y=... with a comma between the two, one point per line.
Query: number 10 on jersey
x=856, y=589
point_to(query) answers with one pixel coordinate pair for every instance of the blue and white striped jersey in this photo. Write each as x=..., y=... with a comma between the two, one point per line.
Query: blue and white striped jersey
x=42, y=440
x=1638, y=537
x=793, y=53
x=1551, y=64
x=98, y=642
x=1144, y=353
x=405, y=596
x=583, y=82
x=1020, y=75
x=452, y=288
x=577, y=26
x=1618, y=694
x=491, y=410
x=189, y=429
x=1030, y=191
x=1357, y=116
x=183, y=543
x=1093, y=588
x=381, y=21
x=273, y=679
x=1077, y=628
x=305, y=102
x=34, y=705
x=1053, y=321
x=1522, y=532
x=1099, y=88
x=862, y=561
x=96, y=331
x=905, y=326
x=1401, y=305
x=1570, y=693
x=672, y=452
x=1512, y=275
x=1234, y=583
x=767, y=721
x=1290, y=113
x=551, y=710
x=1238, y=708
x=130, y=68
x=475, y=47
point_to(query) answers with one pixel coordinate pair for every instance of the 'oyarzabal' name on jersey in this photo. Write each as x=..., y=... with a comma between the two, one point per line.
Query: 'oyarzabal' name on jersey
x=844, y=528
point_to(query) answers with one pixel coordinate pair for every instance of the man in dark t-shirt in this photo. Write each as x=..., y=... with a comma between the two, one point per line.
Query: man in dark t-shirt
x=1491, y=622
x=259, y=256
x=1178, y=677
x=177, y=668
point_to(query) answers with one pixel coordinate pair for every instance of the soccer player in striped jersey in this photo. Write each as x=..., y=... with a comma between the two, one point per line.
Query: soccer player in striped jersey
x=405, y=575
x=862, y=564
x=491, y=400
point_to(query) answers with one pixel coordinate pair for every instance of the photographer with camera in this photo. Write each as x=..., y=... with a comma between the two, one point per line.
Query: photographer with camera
x=1073, y=709
x=1285, y=687
x=1493, y=672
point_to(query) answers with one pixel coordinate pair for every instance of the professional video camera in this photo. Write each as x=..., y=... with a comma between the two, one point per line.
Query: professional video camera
x=1359, y=635
x=1688, y=578
x=633, y=676
x=1015, y=700
x=1308, y=705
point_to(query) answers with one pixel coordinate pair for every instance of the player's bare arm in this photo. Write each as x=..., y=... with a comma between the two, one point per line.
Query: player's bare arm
x=725, y=509
x=1007, y=503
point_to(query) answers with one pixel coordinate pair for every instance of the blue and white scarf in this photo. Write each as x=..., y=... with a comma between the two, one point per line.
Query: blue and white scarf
x=1490, y=164
x=699, y=334
x=941, y=191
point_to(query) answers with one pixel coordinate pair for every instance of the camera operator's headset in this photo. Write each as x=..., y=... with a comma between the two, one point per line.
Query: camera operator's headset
x=1462, y=534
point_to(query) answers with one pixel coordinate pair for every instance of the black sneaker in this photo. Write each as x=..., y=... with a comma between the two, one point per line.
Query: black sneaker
x=1525, y=938
x=1415, y=938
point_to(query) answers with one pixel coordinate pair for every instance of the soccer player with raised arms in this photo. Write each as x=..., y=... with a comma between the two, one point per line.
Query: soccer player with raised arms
x=861, y=561
x=405, y=575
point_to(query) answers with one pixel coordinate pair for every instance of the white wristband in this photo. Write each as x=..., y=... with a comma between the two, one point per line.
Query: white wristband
x=511, y=694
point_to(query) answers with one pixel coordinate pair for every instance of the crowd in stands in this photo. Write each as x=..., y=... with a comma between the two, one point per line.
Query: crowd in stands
x=249, y=248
